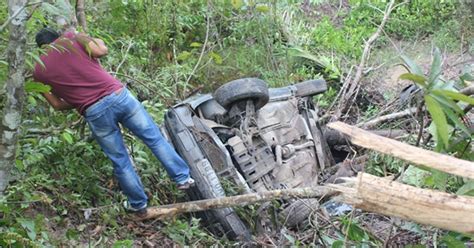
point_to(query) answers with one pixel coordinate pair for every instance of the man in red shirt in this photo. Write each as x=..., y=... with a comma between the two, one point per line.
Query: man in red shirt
x=77, y=80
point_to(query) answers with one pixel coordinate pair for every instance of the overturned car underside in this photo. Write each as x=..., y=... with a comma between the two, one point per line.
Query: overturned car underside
x=254, y=137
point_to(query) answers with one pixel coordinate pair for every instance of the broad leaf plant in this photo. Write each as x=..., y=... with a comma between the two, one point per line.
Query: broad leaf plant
x=442, y=100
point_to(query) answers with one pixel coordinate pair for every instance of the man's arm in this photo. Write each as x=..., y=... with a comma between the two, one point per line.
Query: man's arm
x=56, y=102
x=94, y=46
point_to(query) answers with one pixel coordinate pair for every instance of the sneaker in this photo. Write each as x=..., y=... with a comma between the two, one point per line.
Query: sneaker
x=186, y=185
x=139, y=213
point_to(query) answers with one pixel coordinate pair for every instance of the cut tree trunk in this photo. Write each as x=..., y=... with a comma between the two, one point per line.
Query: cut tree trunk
x=11, y=117
x=430, y=207
x=334, y=137
x=405, y=152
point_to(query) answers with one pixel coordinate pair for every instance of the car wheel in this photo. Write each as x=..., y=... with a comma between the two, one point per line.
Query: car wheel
x=179, y=125
x=298, y=211
x=224, y=220
x=242, y=89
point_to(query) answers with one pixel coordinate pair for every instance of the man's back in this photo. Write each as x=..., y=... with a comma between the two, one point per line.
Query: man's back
x=73, y=75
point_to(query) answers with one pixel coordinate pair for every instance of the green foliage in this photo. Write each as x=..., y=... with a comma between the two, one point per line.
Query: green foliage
x=443, y=103
x=346, y=41
x=383, y=165
x=352, y=234
x=456, y=240
x=184, y=233
x=123, y=244
x=37, y=87
x=439, y=98
x=326, y=64
x=410, y=20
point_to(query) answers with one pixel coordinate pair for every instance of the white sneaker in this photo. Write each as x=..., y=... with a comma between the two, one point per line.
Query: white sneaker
x=186, y=185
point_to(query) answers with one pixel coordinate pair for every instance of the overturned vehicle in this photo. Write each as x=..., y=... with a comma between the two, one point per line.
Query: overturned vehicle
x=257, y=138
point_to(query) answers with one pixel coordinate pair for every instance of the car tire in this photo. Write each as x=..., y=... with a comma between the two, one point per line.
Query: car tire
x=223, y=221
x=207, y=186
x=298, y=211
x=242, y=89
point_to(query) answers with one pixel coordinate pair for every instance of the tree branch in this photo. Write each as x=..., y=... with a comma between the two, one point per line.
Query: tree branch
x=21, y=9
x=350, y=91
x=202, y=50
x=246, y=199
x=376, y=121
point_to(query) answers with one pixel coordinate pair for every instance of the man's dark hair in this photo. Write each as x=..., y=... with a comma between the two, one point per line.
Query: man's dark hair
x=46, y=36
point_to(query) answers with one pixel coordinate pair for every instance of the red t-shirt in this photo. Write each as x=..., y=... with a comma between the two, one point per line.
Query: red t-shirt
x=73, y=75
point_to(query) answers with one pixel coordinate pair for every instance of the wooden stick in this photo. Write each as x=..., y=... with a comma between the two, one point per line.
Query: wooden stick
x=384, y=196
x=246, y=199
x=376, y=121
x=406, y=152
x=351, y=85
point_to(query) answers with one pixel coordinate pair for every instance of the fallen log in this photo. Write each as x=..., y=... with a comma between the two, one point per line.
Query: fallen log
x=405, y=152
x=430, y=207
x=334, y=137
x=366, y=192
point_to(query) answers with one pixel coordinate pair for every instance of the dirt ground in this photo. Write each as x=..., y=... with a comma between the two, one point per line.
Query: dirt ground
x=385, y=66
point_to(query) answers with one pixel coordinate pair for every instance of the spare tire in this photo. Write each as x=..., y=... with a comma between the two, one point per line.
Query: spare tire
x=242, y=89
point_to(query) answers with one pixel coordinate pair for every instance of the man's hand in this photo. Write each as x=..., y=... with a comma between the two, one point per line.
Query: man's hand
x=94, y=46
x=56, y=102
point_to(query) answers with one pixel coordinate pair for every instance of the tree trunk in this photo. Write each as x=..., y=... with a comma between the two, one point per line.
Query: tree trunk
x=413, y=154
x=425, y=206
x=81, y=15
x=11, y=118
x=334, y=137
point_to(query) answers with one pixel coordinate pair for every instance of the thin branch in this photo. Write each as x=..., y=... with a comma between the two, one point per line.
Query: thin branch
x=137, y=81
x=202, y=50
x=22, y=202
x=206, y=204
x=5, y=24
x=350, y=93
x=374, y=122
x=124, y=56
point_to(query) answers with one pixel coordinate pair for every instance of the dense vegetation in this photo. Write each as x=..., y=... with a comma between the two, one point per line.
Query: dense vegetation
x=63, y=192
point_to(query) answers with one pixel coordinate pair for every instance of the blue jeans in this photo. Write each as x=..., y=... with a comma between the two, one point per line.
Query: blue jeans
x=103, y=118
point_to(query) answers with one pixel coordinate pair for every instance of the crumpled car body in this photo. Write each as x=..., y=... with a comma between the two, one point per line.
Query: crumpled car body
x=257, y=138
